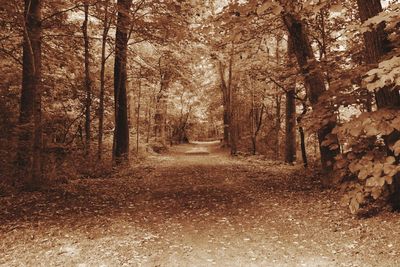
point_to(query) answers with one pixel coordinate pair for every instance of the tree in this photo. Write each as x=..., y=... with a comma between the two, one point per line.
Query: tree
x=290, y=114
x=121, y=132
x=88, y=82
x=29, y=160
x=106, y=27
x=314, y=81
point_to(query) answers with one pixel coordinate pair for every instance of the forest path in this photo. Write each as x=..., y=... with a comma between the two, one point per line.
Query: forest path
x=194, y=209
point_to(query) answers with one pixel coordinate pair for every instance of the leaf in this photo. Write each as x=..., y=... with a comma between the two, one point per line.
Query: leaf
x=355, y=131
x=377, y=170
x=354, y=167
x=264, y=7
x=371, y=182
x=389, y=179
x=381, y=181
x=363, y=174
x=360, y=197
x=336, y=8
x=237, y=37
x=376, y=192
x=345, y=200
x=340, y=164
x=334, y=147
x=396, y=148
x=371, y=130
x=354, y=205
x=388, y=169
x=277, y=10
x=390, y=160
x=396, y=124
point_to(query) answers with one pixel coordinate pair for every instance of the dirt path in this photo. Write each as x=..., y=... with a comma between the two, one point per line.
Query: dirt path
x=200, y=208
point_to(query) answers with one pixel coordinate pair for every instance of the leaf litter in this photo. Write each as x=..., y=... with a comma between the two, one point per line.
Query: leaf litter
x=194, y=210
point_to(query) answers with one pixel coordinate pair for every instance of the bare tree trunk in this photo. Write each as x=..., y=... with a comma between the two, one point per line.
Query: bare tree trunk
x=121, y=133
x=253, y=119
x=315, y=83
x=277, y=126
x=302, y=137
x=138, y=111
x=149, y=120
x=233, y=118
x=106, y=27
x=226, y=103
x=88, y=82
x=290, y=114
x=290, y=121
x=29, y=153
x=159, y=121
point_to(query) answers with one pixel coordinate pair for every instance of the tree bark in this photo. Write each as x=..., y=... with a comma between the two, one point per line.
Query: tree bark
x=138, y=111
x=29, y=152
x=315, y=84
x=121, y=133
x=226, y=104
x=106, y=27
x=290, y=121
x=302, y=137
x=290, y=114
x=376, y=45
x=88, y=82
x=277, y=126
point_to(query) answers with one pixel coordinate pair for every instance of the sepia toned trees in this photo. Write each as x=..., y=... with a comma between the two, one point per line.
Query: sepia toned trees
x=290, y=80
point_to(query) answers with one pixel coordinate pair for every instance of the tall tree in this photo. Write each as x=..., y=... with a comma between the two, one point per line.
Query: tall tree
x=290, y=114
x=88, y=82
x=30, y=120
x=121, y=132
x=106, y=28
x=314, y=81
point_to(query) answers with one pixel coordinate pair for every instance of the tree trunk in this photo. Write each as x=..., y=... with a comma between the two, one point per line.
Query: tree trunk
x=376, y=45
x=159, y=121
x=277, y=126
x=233, y=118
x=88, y=83
x=149, y=120
x=29, y=161
x=290, y=114
x=302, y=137
x=121, y=133
x=138, y=111
x=226, y=125
x=290, y=121
x=106, y=27
x=226, y=105
x=315, y=84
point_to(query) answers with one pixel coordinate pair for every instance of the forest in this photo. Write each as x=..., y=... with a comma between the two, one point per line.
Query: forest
x=130, y=123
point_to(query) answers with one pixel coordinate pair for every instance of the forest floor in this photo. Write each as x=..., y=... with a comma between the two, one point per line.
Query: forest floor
x=194, y=206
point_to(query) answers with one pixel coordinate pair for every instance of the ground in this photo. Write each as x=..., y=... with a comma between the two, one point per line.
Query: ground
x=194, y=206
